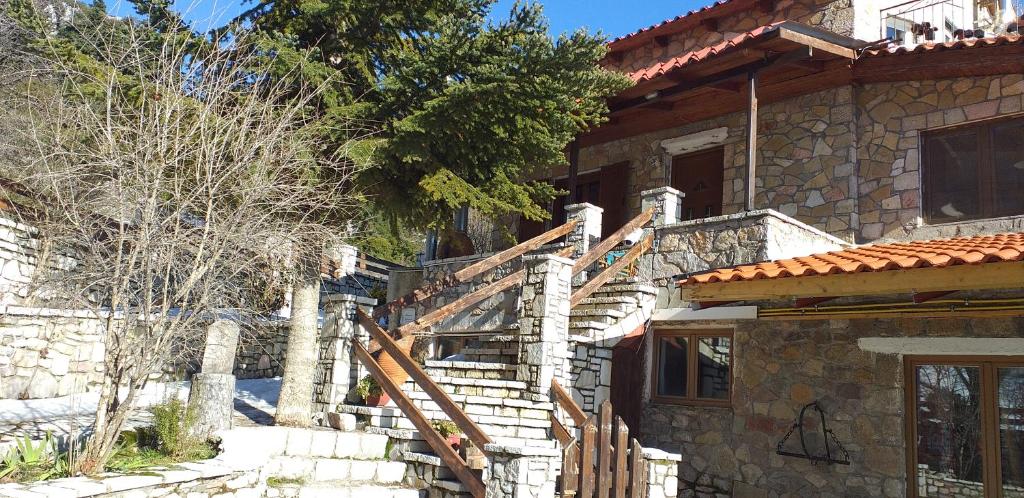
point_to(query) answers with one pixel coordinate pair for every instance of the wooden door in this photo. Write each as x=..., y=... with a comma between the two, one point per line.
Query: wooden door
x=700, y=176
x=628, y=378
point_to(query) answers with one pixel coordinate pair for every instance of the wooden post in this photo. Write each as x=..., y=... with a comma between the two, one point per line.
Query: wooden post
x=751, y=140
x=620, y=472
x=604, y=450
x=574, y=168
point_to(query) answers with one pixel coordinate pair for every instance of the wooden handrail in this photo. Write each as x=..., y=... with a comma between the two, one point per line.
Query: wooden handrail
x=437, y=395
x=561, y=434
x=613, y=240
x=473, y=270
x=468, y=300
x=612, y=270
x=567, y=403
x=458, y=466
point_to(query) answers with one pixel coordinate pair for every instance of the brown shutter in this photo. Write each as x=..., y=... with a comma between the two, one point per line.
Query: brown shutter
x=613, y=197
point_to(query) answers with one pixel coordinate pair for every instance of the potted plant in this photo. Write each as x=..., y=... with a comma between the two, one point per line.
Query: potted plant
x=449, y=431
x=371, y=392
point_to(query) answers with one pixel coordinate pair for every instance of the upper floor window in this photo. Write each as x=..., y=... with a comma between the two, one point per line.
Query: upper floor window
x=974, y=171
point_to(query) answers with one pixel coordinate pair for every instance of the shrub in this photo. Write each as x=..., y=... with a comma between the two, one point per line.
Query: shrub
x=367, y=387
x=31, y=462
x=172, y=435
x=445, y=427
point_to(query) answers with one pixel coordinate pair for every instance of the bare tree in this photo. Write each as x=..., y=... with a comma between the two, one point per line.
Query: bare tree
x=172, y=187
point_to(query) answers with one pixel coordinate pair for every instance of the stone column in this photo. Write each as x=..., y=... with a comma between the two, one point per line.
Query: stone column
x=522, y=472
x=586, y=233
x=667, y=203
x=544, y=323
x=213, y=389
x=662, y=473
x=338, y=370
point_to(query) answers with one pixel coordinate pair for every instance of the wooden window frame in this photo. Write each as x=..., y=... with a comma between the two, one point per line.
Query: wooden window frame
x=693, y=335
x=988, y=366
x=985, y=172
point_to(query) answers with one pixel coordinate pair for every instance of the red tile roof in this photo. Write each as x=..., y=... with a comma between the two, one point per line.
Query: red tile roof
x=879, y=257
x=670, y=21
x=1008, y=39
x=695, y=56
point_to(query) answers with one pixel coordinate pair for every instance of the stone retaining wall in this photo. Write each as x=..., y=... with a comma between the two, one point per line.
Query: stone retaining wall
x=778, y=367
x=48, y=352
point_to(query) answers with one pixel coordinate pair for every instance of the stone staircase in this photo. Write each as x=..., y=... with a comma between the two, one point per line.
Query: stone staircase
x=612, y=304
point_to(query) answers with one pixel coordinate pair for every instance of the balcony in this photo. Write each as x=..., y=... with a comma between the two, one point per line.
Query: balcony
x=925, y=21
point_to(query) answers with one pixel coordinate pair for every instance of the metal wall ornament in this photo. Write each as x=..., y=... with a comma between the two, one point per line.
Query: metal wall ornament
x=826, y=436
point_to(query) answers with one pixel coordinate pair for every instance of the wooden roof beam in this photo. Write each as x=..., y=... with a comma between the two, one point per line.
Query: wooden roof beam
x=662, y=41
x=806, y=302
x=923, y=297
x=987, y=276
x=710, y=24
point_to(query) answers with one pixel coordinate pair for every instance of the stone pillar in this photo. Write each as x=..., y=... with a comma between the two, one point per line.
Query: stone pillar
x=662, y=473
x=213, y=389
x=522, y=472
x=544, y=323
x=586, y=233
x=338, y=370
x=667, y=203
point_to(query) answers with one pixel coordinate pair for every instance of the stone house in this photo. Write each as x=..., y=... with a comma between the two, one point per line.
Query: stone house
x=762, y=132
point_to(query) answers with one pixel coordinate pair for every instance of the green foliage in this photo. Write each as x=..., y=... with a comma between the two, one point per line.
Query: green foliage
x=29, y=461
x=367, y=387
x=276, y=482
x=445, y=427
x=172, y=435
x=465, y=111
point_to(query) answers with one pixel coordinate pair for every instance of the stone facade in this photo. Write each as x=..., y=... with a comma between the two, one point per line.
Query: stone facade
x=262, y=349
x=806, y=166
x=892, y=117
x=496, y=312
x=778, y=367
x=544, y=323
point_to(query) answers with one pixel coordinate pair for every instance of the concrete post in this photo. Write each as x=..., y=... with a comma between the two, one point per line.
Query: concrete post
x=522, y=472
x=213, y=389
x=338, y=370
x=667, y=203
x=544, y=323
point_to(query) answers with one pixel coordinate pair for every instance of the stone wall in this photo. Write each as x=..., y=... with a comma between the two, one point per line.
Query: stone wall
x=779, y=366
x=20, y=249
x=931, y=484
x=834, y=15
x=494, y=313
x=891, y=118
x=806, y=166
x=46, y=353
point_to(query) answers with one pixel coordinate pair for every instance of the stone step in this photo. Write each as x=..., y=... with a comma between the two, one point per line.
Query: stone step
x=604, y=315
x=311, y=443
x=607, y=300
x=587, y=325
x=335, y=469
x=470, y=370
x=430, y=467
x=341, y=489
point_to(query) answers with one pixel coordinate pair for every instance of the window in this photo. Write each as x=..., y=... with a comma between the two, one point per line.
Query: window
x=693, y=367
x=966, y=425
x=974, y=172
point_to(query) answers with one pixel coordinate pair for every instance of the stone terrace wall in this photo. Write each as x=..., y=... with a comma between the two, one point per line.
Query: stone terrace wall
x=806, y=165
x=778, y=367
x=889, y=125
x=48, y=354
x=19, y=251
x=834, y=15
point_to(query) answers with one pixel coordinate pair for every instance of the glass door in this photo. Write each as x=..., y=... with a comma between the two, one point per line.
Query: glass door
x=966, y=426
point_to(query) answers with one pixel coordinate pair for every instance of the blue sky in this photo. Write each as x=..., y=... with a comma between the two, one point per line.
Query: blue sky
x=612, y=17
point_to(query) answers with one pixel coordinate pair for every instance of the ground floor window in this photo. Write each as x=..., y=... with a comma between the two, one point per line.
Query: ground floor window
x=693, y=366
x=966, y=426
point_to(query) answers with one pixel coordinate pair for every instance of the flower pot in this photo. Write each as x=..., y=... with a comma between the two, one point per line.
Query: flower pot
x=455, y=441
x=377, y=399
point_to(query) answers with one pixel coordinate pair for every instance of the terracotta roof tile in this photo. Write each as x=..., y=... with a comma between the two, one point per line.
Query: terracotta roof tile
x=694, y=56
x=672, y=20
x=1008, y=39
x=879, y=257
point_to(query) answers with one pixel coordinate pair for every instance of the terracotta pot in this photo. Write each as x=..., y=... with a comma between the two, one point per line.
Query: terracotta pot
x=396, y=373
x=455, y=441
x=377, y=399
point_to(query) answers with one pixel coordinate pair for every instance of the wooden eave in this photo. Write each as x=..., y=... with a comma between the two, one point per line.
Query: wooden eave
x=986, y=276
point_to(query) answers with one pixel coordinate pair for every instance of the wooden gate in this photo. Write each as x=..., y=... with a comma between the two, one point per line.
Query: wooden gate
x=604, y=462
